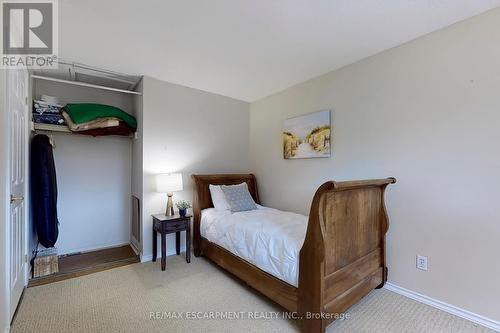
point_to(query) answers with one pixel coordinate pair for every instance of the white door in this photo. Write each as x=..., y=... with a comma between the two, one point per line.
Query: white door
x=17, y=95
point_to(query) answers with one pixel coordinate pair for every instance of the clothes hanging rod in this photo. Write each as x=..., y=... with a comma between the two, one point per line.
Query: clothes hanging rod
x=107, y=72
x=83, y=84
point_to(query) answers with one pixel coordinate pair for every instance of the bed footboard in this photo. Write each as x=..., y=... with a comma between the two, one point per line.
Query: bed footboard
x=343, y=256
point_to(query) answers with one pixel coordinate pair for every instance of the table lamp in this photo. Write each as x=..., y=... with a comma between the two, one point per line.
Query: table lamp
x=168, y=183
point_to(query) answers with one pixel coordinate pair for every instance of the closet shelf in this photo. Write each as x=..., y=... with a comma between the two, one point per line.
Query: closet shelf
x=50, y=128
x=37, y=127
x=83, y=84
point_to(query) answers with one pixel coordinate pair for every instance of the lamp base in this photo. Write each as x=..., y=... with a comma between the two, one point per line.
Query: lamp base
x=170, y=205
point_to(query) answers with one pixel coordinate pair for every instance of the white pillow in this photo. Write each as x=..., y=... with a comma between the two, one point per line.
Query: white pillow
x=218, y=197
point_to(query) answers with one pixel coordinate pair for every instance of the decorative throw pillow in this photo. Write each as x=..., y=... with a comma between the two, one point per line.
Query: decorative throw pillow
x=238, y=198
x=218, y=198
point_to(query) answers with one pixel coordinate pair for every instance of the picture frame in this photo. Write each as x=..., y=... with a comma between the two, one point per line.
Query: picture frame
x=307, y=136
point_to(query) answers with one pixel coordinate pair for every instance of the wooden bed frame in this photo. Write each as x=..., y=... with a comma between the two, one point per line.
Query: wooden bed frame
x=342, y=259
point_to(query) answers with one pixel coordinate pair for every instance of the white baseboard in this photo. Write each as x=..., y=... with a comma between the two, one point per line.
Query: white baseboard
x=170, y=252
x=454, y=310
x=147, y=258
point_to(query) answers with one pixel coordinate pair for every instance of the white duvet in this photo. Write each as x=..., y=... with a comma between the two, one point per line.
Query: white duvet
x=268, y=238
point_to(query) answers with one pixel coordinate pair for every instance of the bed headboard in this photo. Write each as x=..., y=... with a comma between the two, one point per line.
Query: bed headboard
x=203, y=200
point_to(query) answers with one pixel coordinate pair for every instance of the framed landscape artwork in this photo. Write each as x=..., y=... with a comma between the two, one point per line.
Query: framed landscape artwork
x=307, y=136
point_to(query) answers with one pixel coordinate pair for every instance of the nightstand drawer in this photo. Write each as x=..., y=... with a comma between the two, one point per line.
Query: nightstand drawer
x=174, y=226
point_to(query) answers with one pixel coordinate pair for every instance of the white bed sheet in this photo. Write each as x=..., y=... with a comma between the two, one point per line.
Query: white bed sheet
x=268, y=238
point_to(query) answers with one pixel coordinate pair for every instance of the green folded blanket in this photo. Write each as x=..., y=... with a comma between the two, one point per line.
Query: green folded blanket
x=85, y=112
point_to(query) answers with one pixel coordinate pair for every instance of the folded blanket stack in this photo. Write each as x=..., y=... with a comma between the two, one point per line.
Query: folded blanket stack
x=47, y=113
x=98, y=120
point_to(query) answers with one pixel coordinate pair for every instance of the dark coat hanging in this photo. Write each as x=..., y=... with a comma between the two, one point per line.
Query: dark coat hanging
x=44, y=190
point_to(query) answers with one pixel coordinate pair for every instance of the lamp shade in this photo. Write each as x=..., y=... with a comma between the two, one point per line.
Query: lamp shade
x=169, y=182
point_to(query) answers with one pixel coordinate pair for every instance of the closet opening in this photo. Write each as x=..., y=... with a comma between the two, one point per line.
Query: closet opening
x=88, y=121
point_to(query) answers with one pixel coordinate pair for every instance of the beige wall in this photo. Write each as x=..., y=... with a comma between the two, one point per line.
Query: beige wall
x=428, y=113
x=189, y=131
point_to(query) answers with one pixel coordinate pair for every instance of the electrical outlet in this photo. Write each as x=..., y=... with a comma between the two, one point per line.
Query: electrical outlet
x=422, y=262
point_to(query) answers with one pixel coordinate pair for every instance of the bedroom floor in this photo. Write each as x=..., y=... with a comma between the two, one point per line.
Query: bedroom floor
x=121, y=299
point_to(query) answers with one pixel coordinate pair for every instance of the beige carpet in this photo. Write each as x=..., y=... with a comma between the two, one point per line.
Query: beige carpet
x=121, y=300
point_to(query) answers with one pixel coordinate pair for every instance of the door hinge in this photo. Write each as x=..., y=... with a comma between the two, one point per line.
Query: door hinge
x=25, y=258
x=26, y=100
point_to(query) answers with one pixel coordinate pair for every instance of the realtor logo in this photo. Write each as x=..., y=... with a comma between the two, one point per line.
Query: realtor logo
x=29, y=33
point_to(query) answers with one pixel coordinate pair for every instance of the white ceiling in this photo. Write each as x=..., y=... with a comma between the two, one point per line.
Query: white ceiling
x=245, y=49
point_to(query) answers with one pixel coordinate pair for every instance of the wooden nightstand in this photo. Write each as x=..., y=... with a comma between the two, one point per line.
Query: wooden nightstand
x=168, y=225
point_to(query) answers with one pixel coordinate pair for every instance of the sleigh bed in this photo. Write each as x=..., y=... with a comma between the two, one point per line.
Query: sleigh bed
x=342, y=257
